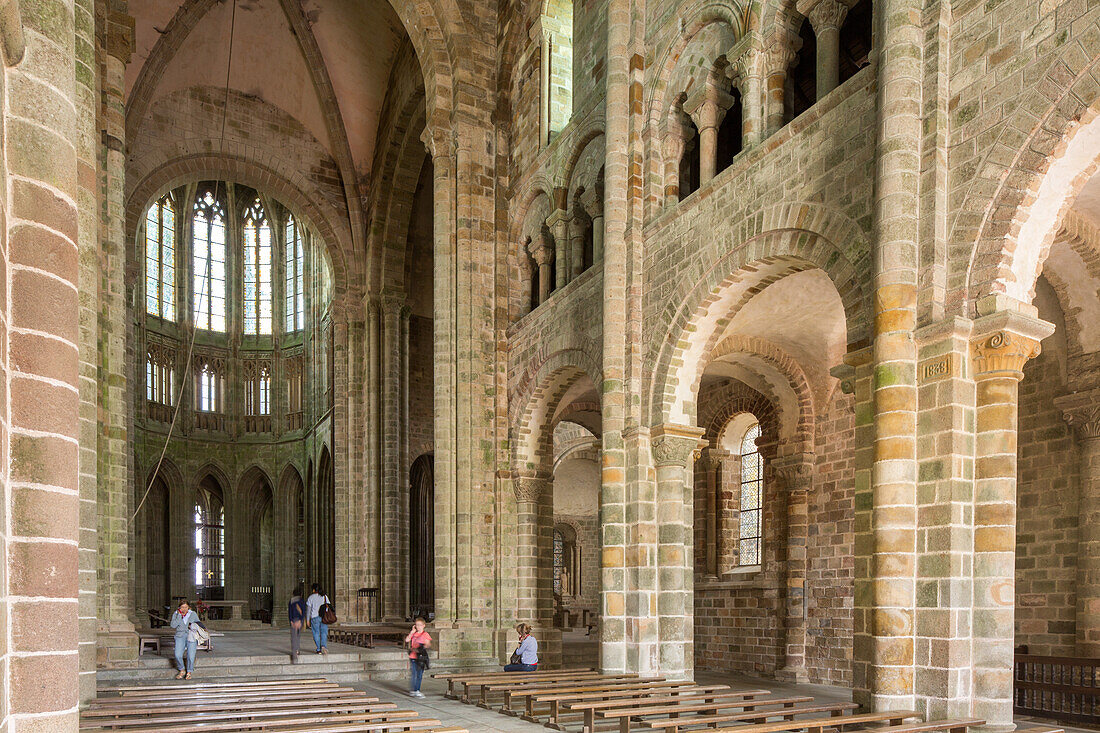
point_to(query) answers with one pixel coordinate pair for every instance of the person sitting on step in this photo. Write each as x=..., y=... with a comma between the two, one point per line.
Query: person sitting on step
x=526, y=656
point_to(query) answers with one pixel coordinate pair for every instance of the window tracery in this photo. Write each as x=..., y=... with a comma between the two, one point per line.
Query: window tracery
x=160, y=380
x=257, y=395
x=752, y=496
x=210, y=392
x=295, y=276
x=257, y=270
x=209, y=522
x=208, y=242
x=160, y=259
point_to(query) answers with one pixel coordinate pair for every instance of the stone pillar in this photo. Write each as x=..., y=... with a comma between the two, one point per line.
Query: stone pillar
x=745, y=68
x=535, y=548
x=1003, y=342
x=373, y=371
x=674, y=448
x=1082, y=411
x=558, y=222
x=712, y=460
x=779, y=54
x=826, y=16
x=394, y=553
x=542, y=251
x=39, y=362
x=729, y=475
x=708, y=108
x=673, y=141
x=541, y=35
x=578, y=227
x=796, y=473
x=592, y=201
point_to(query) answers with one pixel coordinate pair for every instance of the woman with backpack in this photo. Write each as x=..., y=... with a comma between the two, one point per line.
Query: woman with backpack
x=319, y=606
x=297, y=612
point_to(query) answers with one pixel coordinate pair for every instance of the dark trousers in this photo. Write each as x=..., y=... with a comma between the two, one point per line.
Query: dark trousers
x=417, y=673
x=521, y=667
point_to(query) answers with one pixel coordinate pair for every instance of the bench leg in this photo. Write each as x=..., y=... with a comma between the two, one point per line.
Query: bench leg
x=589, y=721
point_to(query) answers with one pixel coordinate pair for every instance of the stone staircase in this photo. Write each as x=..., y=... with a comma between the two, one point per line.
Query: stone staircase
x=344, y=667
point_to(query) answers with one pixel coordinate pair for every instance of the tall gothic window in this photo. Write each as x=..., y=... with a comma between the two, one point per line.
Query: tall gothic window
x=257, y=271
x=752, y=495
x=208, y=395
x=257, y=394
x=160, y=260
x=160, y=379
x=295, y=277
x=208, y=266
x=209, y=545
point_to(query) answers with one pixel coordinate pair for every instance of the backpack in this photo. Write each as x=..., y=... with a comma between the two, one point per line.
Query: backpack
x=422, y=659
x=327, y=613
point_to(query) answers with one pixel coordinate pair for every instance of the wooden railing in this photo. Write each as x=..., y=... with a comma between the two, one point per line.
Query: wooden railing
x=1060, y=688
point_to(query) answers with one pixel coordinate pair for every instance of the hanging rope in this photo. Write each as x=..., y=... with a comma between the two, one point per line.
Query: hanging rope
x=205, y=279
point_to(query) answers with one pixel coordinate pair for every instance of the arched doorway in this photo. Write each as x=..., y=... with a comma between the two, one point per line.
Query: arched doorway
x=422, y=537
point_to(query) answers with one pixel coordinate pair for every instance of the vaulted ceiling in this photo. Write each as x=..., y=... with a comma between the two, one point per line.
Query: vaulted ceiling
x=327, y=63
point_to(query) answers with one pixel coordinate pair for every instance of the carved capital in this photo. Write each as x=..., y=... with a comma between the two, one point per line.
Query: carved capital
x=559, y=218
x=1081, y=411
x=592, y=201
x=826, y=15
x=744, y=58
x=530, y=488
x=439, y=142
x=708, y=106
x=675, y=445
x=796, y=475
x=1003, y=353
x=392, y=301
x=780, y=51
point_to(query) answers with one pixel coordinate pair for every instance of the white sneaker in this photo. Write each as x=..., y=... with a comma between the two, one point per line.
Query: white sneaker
x=419, y=693
x=413, y=693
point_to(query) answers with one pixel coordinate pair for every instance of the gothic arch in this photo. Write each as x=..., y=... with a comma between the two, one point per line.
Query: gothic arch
x=175, y=172
x=538, y=399
x=1028, y=196
x=775, y=243
x=214, y=471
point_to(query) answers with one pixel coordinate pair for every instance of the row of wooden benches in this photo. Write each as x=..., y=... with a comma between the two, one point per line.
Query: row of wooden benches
x=629, y=702
x=283, y=706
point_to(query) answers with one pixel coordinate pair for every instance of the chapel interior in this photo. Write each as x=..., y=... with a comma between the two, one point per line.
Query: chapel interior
x=712, y=338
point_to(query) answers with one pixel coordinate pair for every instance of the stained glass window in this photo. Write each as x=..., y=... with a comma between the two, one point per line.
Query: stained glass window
x=559, y=560
x=752, y=494
x=208, y=260
x=209, y=547
x=160, y=260
x=295, y=276
x=257, y=270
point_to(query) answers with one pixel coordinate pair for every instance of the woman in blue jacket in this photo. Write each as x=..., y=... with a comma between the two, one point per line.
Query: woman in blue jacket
x=181, y=622
x=526, y=656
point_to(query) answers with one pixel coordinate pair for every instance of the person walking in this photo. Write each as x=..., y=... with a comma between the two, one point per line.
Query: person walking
x=526, y=656
x=181, y=621
x=320, y=629
x=419, y=641
x=297, y=612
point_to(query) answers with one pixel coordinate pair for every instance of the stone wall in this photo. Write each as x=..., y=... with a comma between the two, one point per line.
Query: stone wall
x=829, y=576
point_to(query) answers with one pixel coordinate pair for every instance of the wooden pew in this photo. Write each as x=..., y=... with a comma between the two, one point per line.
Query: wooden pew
x=835, y=709
x=950, y=725
x=158, y=689
x=464, y=677
x=810, y=725
x=513, y=692
x=215, y=696
x=498, y=682
x=238, y=708
x=232, y=720
x=560, y=701
x=589, y=708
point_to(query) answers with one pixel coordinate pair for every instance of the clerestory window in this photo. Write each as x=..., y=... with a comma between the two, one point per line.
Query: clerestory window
x=160, y=260
x=208, y=263
x=257, y=271
x=295, y=276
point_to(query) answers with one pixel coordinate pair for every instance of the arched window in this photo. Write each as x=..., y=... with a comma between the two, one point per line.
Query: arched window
x=257, y=270
x=257, y=391
x=557, y=65
x=208, y=260
x=208, y=396
x=209, y=543
x=160, y=260
x=752, y=496
x=160, y=375
x=295, y=277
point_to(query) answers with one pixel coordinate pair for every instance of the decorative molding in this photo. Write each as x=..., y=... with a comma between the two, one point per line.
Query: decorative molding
x=1003, y=352
x=530, y=488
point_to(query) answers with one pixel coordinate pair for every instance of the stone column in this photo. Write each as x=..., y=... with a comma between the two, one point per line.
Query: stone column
x=578, y=226
x=779, y=54
x=745, y=68
x=796, y=473
x=394, y=555
x=373, y=370
x=558, y=222
x=535, y=562
x=674, y=448
x=826, y=16
x=708, y=108
x=542, y=251
x=1082, y=411
x=1003, y=342
x=541, y=35
x=673, y=141
x=592, y=201
x=712, y=460
x=729, y=475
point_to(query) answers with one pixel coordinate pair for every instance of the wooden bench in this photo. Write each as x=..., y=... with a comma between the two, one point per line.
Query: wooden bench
x=513, y=691
x=637, y=685
x=811, y=725
x=709, y=713
x=951, y=726
x=160, y=689
x=206, y=696
x=498, y=682
x=363, y=635
x=465, y=677
x=562, y=703
x=589, y=708
x=167, y=712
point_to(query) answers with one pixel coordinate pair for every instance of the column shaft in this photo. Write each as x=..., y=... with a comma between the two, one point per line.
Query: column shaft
x=393, y=516
x=828, y=64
